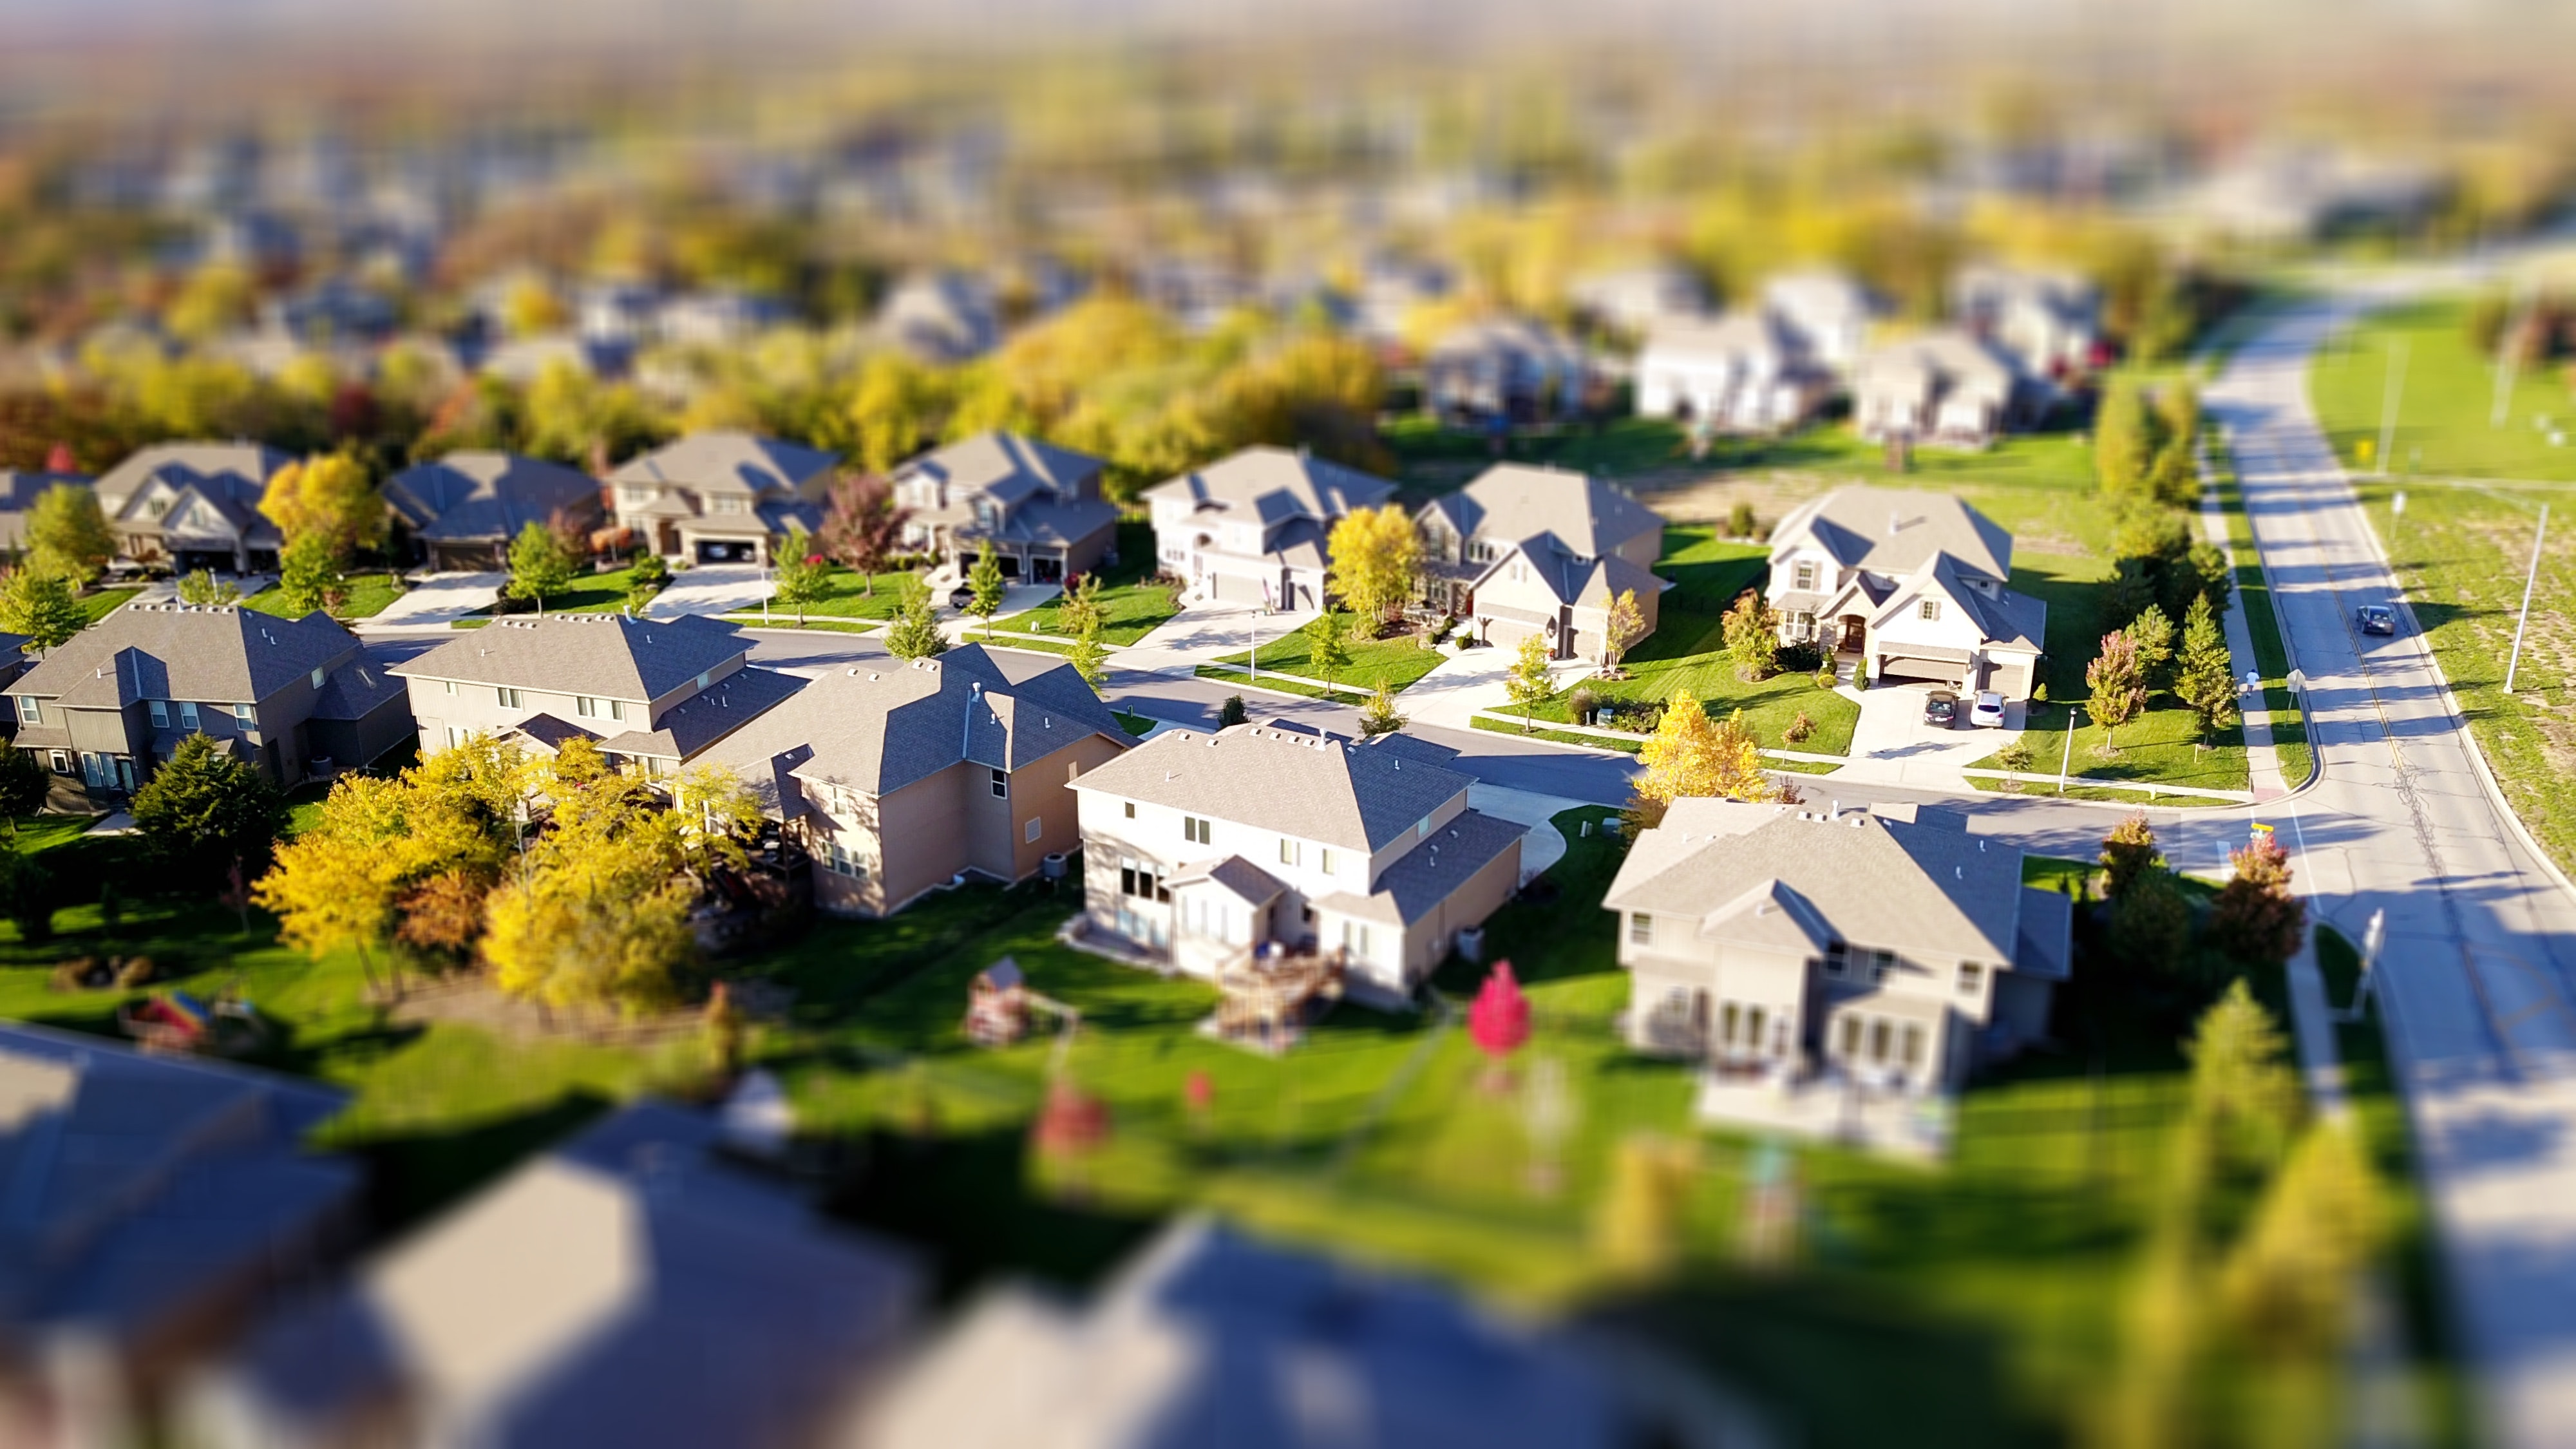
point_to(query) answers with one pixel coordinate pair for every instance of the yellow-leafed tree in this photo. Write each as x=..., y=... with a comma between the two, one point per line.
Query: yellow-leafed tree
x=1375, y=554
x=330, y=496
x=1691, y=754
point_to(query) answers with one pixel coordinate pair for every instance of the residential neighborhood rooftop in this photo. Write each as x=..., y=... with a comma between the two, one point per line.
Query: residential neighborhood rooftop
x=186, y=651
x=1318, y=788
x=1894, y=531
x=609, y=655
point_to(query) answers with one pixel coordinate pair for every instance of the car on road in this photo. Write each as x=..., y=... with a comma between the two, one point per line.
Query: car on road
x=1988, y=711
x=1941, y=707
x=2376, y=619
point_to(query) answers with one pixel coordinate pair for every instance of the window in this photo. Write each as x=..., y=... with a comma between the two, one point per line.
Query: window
x=1030, y=831
x=455, y=737
x=509, y=697
x=617, y=709
x=29, y=711
x=839, y=861
x=62, y=762
x=1641, y=929
x=702, y=679
x=1972, y=978
x=451, y=686
x=1880, y=963
x=160, y=714
x=1324, y=862
x=245, y=716
x=1287, y=851
x=1196, y=831
x=1140, y=878
x=1911, y=1052
x=1131, y=809
x=1806, y=573
x=1837, y=958
x=1355, y=938
x=1001, y=785
x=1878, y=1035
x=730, y=505
x=1422, y=828
x=1931, y=609
x=585, y=706
x=188, y=714
x=318, y=676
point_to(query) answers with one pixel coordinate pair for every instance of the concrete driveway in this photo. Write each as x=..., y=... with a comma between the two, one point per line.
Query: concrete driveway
x=712, y=589
x=1891, y=745
x=1473, y=681
x=1202, y=632
x=436, y=600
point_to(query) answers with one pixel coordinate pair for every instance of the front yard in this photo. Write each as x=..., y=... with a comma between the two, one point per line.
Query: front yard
x=1398, y=663
x=367, y=595
x=1132, y=605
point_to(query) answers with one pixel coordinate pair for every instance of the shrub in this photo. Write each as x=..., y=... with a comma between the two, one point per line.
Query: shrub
x=1824, y=677
x=1800, y=729
x=1232, y=712
x=27, y=894
x=2014, y=756
x=2039, y=695
x=1581, y=704
x=1740, y=521
x=649, y=568
x=137, y=973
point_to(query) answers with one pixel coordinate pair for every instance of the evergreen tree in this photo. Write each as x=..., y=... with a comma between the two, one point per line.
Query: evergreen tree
x=2241, y=1081
x=203, y=809
x=24, y=781
x=915, y=633
x=2123, y=444
x=308, y=574
x=2204, y=672
x=1752, y=631
x=2152, y=634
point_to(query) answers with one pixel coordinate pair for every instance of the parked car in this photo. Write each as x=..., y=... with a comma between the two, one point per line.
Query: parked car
x=1988, y=712
x=1941, y=708
x=2376, y=619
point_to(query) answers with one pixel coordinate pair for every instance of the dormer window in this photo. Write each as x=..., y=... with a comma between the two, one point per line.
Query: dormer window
x=1930, y=609
x=985, y=514
x=318, y=676
x=1805, y=574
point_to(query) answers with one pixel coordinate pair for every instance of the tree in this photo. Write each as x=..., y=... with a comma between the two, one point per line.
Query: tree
x=530, y=307
x=2151, y=922
x=2118, y=691
x=1690, y=754
x=1528, y=682
x=330, y=497
x=308, y=574
x=1328, y=646
x=2204, y=672
x=2289, y=1281
x=985, y=585
x=2128, y=852
x=1622, y=626
x=41, y=606
x=444, y=914
x=200, y=588
x=864, y=526
x=203, y=809
x=1752, y=630
x=1079, y=611
x=1375, y=553
x=891, y=410
x=2122, y=441
x=798, y=575
x=1740, y=521
x=1499, y=1020
x=1380, y=717
x=2257, y=919
x=2151, y=633
x=539, y=565
x=1090, y=660
x=1232, y=712
x=915, y=632
x=215, y=298
x=2206, y=574
x=24, y=781
x=67, y=533
x=2240, y=1080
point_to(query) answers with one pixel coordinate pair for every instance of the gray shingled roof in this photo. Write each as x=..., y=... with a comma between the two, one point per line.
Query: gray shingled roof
x=1272, y=484
x=1005, y=465
x=1431, y=872
x=478, y=496
x=1518, y=502
x=234, y=469
x=708, y=715
x=1871, y=880
x=727, y=461
x=608, y=655
x=1894, y=530
x=877, y=729
x=1322, y=790
x=175, y=651
x=358, y=688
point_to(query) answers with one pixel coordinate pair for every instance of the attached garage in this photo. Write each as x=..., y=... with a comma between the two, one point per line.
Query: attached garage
x=1924, y=664
x=2010, y=676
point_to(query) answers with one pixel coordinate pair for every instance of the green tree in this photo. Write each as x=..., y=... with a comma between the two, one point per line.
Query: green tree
x=203, y=809
x=799, y=575
x=308, y=574
x=67, y=533
x=1752, y=630
x=1379, y=717
x=1232, y=712
x=1375, y=553
x=2128, y=852
x=1079, y=611
x=2152, y=634
x=24, y=781
x=2241, y=1080
x=915, y=632
x=540, y=567
x=985, y=585
x=2206, y=574
x=200, y=588
x=2123, y=444
x=2289, y=1281
x=2204, y=672
x=2119, y=688
x=1623, y=625
x=2151, y=923
x=41, y=606
x=1528, y=682
x=1090, y=660
x=1328, y=646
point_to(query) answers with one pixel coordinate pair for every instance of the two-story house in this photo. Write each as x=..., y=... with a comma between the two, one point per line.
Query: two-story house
x=1504, y=371
x=462, y=511
x=18, y=494
x=1256, y=527
x=1524, y=551
x=1038, y=504
x=1202, y=850
x=1869, y=947
x=194, y=505
x=288, y=695
x=1744, y=372
x=721, y=497
x=1829, y=312
x=901, y=777
x=2048, y=323
x=1910, y=587
x=1943, y=388
x=652, y=694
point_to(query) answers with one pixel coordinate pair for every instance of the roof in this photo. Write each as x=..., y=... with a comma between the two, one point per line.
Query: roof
x=1740, y=334
x=876, y=729
x=608, y=655
x=1274, y=484
x=358, y=688
x=2046, y=946
x=476, y=496
x=219, y=654
x=1007, y=466
x=687, y=728
x=1895, y=531
x=1432, y=872
x=1313, y=788
x=2006, y=617
x=1588, y=584
x=550, y=732
x=1863, y=877
x=234, y=468
x=1819, y=296
x=1247, y=882
x=1507, y=338
x=1517, y=502
x=1941, y=354
x=630, y=1287
x=728, y=461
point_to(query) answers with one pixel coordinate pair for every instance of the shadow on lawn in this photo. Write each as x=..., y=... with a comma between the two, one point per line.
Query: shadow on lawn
x=967, y=1200
x=411, y=1177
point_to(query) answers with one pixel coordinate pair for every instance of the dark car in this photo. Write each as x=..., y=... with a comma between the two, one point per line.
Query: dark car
x=1941, y=707
x=2376, y=619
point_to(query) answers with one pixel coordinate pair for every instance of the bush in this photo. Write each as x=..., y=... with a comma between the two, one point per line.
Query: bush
x=137, y=973
x=27, y=894
x=2039, y=695
x=1232, y=712
x=1799, y=729
x=2014, y=756
x=1581, y=704
x=1740, y=521
x=1800, y=659
x=649, y=568
x=24, y=781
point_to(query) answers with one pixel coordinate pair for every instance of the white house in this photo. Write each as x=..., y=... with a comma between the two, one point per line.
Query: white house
x=1944, y=388
x=1255, y=527
x=1743, y=372
x=1910, y=586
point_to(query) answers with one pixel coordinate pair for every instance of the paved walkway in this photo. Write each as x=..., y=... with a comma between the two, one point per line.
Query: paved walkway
x=2262, y=762
x=712, y=589
x=1891, y=745
x=435, y=601
x=1472, y=681
x=1544, y=846
x=1202, y=632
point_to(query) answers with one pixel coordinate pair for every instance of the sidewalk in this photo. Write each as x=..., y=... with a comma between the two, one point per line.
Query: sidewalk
x=1472, y=681
x=2262, y=762
x=1202, y=633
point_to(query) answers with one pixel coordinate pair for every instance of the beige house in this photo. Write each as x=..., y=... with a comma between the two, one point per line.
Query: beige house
x=899, y=778
x=1255, y=528
x=194, y=505
x=1527, y=551
x=1745, y=372
x=1865, y=949
x=1908, y=586
x=1039, y=505
x=2048, y=323
x=1942, y=388
x=721, y=497
x=1202, y=850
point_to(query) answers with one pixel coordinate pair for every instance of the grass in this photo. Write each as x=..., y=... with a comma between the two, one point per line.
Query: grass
x=2158, y=747
x=98, y=603
x=752, y=620
x=367, y=596
x=1135, y=724
x=2464, y=543
x=1561, y=737
x=1398, y=662
x=2262, y=626
x=851, y=595
x=1687, y=652
x=1132, y=605
x=1431, y=459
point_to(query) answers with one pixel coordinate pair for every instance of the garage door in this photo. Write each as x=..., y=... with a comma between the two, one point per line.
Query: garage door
x=1900, y=669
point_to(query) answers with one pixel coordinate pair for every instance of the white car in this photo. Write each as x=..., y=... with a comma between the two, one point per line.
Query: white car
x=1987, y=712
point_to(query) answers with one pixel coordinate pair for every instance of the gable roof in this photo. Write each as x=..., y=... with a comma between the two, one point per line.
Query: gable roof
x=1585, y=584
x=236, y=470
x=217, y=655
x=1006, y=466
x=1314, y=788
x=1863, y=877
x=1515, y=502
x=609, y=655
x=1895, y=531
x=476, y=495
x=875, y=729
x=1719, y=341
x=1272, y=484
x=2005, y=618
x=707, y=716
x=728, y=461
x=1944, y=355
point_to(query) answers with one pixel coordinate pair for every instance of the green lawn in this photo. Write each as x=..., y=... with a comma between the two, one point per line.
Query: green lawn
x=603, y=593
x=98, y=603
x=752, y=620
x=1431, y=459
x=851, y=595
x=1398, y=662
x=1687, y=652
x=1132, y=605
x=2462, y=547
x=367, y=596
x=2262, y=627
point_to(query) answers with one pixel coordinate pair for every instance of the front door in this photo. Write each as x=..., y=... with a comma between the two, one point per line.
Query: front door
x=1855, y=632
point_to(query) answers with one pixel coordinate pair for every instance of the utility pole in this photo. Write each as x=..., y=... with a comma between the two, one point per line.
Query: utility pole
x=2388, y=404
x=2528, y=579
x=2066, y=757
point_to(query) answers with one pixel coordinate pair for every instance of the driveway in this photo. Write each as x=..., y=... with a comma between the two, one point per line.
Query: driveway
x=1207, y=631
x=712, y=589
x=1472, y=681
x=436, y=600
x=1891, y=745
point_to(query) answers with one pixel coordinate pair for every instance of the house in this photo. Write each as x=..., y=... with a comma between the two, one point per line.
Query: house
x=941, y=317
x=1209, y=1337
x=1040, y=505
x=718, y=317
x=462, y=511
x=722, y=497
x=1392, y=288
x=18, y=494
x=1829, y=313
x=1911, y=585
x=1945, y=387
x=1744, y=372
x=155, y=1202
x=1504, y=371
x=295, y=697
x=1524, y=550
x=1875, y=950
x=2048, y=323
x=1204, y=850
x=1634, y=300
x=901, y=777
x=652, y=694
x=635, y=1286
x=194, y=505
x=1255, y=527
